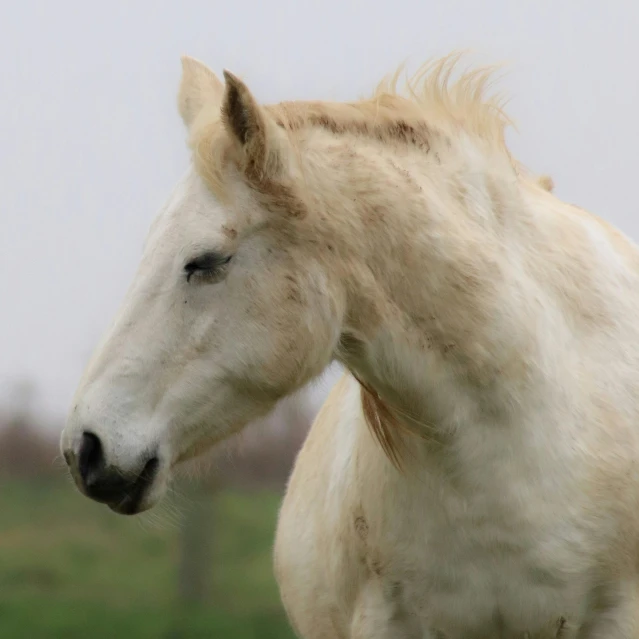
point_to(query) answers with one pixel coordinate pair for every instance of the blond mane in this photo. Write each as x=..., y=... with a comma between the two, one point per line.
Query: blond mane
x=464, y=103
x=430, y=104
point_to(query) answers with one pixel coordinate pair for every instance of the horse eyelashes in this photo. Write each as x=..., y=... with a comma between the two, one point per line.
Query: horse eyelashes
x=206, y=264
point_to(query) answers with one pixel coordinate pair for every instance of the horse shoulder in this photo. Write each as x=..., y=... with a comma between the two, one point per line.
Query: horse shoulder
x=315, y=565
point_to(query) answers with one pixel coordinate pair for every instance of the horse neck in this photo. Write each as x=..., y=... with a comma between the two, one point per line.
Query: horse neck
x=432, y=318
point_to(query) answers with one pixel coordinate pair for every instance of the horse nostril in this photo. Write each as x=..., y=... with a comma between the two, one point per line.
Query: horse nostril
x=149, y=470
x=90, y=456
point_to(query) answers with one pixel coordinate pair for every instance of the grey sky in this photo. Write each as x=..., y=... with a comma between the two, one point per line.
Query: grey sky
x=91, y=144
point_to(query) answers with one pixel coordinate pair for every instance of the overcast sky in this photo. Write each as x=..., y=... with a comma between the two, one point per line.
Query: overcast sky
x=91, y=143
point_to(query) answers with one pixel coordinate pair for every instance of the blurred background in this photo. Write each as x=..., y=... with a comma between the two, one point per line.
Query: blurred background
x=90, y=147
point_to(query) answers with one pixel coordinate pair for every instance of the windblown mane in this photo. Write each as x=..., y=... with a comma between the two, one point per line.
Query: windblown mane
x=431, y=101
x=462, y=104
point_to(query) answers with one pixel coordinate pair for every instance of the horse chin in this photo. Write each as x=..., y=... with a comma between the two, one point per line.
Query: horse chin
x=131, y=506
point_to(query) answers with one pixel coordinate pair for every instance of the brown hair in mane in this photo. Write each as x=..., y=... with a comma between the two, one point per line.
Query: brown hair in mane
x=384, y=426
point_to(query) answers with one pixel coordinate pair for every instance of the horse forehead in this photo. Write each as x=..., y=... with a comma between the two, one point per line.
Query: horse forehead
x=189, y=208
x=192, y=200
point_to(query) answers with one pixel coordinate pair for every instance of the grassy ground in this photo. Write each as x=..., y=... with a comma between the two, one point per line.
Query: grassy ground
x=70, y=568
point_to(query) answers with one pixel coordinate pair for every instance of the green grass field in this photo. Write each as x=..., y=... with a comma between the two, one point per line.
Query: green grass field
x=70, y=568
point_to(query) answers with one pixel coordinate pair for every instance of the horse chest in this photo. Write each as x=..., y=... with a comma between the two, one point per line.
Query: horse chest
x=478, y=574
x=443, y=580
x=490, y=596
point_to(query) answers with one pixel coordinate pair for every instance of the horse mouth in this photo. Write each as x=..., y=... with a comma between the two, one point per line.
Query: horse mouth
x=130, y=505
x=133, y=501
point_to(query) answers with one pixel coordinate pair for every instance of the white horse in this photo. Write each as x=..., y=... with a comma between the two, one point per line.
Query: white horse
x=476, y=474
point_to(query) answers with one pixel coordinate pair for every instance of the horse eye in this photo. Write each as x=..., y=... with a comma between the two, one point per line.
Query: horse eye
x=207, y=264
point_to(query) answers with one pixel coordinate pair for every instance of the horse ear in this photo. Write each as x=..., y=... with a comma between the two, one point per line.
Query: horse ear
x=254, y=132
x=199, y=87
